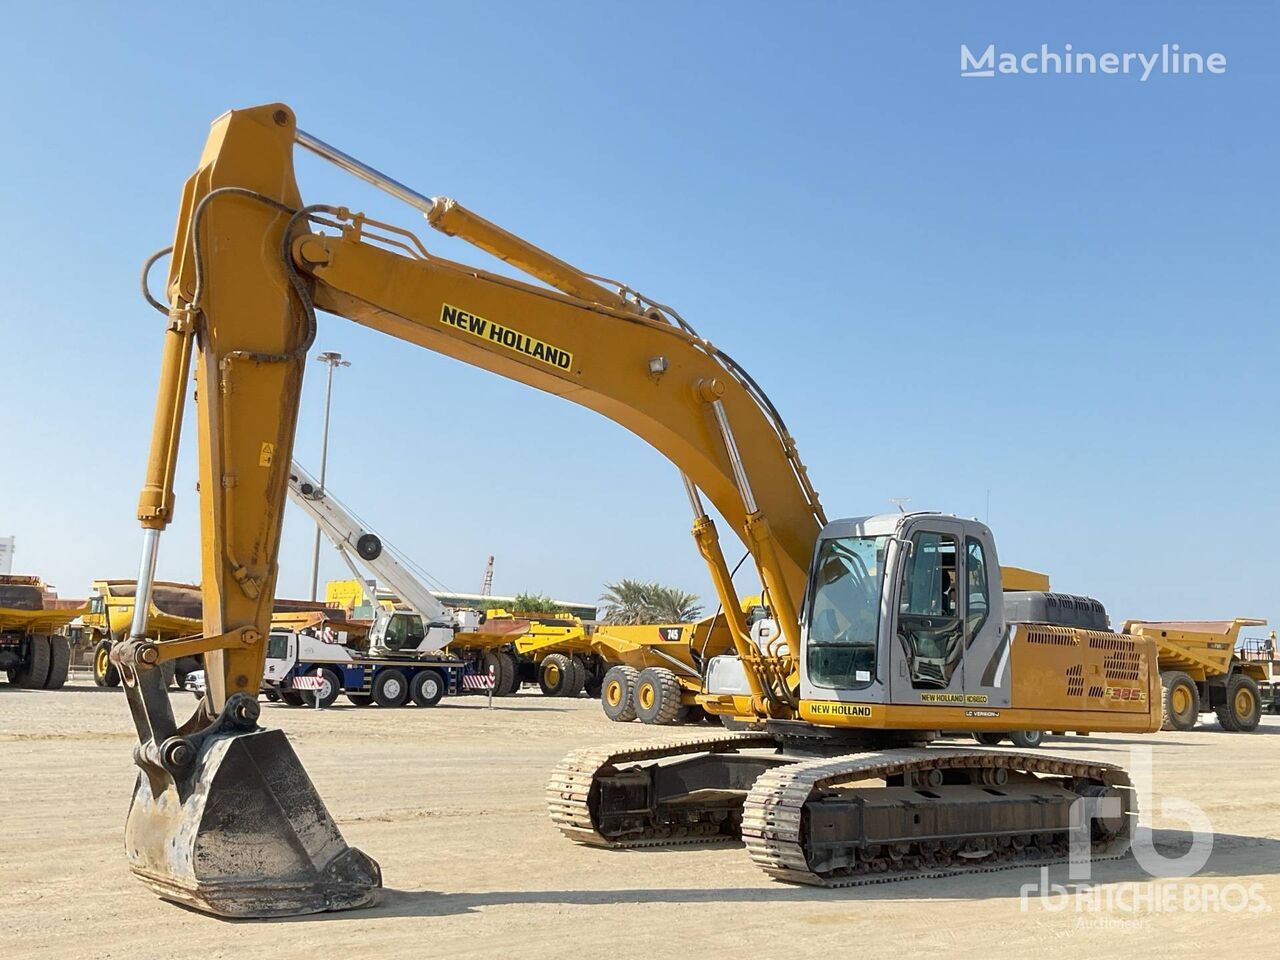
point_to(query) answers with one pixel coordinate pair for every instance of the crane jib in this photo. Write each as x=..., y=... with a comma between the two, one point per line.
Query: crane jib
x=513, y=340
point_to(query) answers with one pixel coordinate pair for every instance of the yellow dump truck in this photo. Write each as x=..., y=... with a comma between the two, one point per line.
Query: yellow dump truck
x=655, y=670
x=175, y=612
x=1201, y=670
x=33, y=654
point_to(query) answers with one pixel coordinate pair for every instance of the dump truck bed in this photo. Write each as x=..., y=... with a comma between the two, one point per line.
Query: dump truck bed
x=1199, y=648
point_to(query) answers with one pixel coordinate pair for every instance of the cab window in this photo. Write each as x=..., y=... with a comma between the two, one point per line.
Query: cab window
x=929, y=626
x=977, y=592
x=844, y=612
x=278, y=646
x=404, y=632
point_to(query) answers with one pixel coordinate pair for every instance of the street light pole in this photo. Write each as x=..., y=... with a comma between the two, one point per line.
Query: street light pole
x=334, y=360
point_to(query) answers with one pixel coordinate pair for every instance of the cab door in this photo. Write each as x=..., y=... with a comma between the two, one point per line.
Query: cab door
x=986, y=637
x=282, y=653
x=927, y=634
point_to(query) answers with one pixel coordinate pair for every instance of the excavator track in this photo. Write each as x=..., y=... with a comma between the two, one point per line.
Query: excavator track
x=782, y=805
x=817, y=822
x=574, y=790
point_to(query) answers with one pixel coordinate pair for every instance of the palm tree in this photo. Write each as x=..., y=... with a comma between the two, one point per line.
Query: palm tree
x=639, y=601
x=673, y=605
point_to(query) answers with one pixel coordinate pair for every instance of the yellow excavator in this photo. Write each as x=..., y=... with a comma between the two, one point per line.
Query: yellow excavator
x=884, y=630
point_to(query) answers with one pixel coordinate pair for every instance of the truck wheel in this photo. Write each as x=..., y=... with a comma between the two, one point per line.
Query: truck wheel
x=657, y=696
x=427, y=688
x=579, y=679
x=989, y=738
x=1243, y=708
x=328, y=693
x=34, y=671
x=360, y=699
x=59, y=663
x=1026, y=739
x=617, y=693
x=105, y=673
x=512, y=666
x=499, y=664
x=390, y=688
x=291, y=698
x=1181, y=701
x=556, y=674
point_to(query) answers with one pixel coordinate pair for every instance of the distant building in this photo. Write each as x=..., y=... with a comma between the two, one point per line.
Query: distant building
x=6, y=554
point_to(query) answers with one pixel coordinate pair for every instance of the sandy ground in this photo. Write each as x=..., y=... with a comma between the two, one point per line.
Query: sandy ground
x=450, y=801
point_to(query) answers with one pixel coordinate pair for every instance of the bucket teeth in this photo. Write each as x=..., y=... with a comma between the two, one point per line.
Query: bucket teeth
x=252, y=838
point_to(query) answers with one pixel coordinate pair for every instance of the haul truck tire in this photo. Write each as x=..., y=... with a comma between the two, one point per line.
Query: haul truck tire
x=989, y=738
x=291, y=698
x=579, y=680
x=360, y=699
x=505, y=671
x=34, y=671
x=1243, y=708
x=556, y=675
x=427, y=688
x=390, y=688
x=617, y=693
x=512, y=666
x=105, y=673
x=1181, y=700
x=59, y=663
x=657, y=696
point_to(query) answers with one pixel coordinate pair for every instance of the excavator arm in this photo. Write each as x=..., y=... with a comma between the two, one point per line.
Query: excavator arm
x=224, y=818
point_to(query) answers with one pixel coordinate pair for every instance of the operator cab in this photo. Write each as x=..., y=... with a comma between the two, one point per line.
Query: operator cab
x=904, y=608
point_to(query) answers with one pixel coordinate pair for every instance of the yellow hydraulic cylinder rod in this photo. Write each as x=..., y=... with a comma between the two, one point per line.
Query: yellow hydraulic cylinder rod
x=452, y=218
x=155, y=503
x=780, y=599
x=708, y=541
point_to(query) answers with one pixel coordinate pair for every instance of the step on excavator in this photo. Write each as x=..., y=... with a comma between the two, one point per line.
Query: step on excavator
x=891, y=628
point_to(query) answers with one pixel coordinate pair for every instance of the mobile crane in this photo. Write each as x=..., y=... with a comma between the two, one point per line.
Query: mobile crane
x=506, y=646
x=429, y=625
x=890, y=628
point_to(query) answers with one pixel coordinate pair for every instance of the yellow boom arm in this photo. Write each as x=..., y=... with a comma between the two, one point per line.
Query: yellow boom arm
x=246, y=273
x=221, y=801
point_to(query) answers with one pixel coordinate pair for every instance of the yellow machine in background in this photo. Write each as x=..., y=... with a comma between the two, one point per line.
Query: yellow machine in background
x=33, y=653
x=1201, y=670
x=173, y=611
x=657, y=669
x=551, y=649
x=890, y=628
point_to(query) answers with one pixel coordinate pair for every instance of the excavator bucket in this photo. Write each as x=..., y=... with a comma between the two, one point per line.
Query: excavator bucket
x=245, y=834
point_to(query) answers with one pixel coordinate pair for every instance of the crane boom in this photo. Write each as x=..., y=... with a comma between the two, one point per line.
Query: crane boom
x=361, y=547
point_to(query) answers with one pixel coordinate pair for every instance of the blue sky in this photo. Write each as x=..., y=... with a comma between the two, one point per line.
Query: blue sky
x=1058, y=294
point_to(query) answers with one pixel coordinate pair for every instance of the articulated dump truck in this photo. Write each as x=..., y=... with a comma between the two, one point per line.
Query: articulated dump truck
x=32, y=653
x=174, y=611
x=1202, y=671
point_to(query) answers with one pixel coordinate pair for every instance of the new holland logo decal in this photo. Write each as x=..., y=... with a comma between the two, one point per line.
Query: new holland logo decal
x=513, y=340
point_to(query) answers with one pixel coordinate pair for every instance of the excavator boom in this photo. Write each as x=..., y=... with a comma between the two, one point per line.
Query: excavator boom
x=250, y=265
